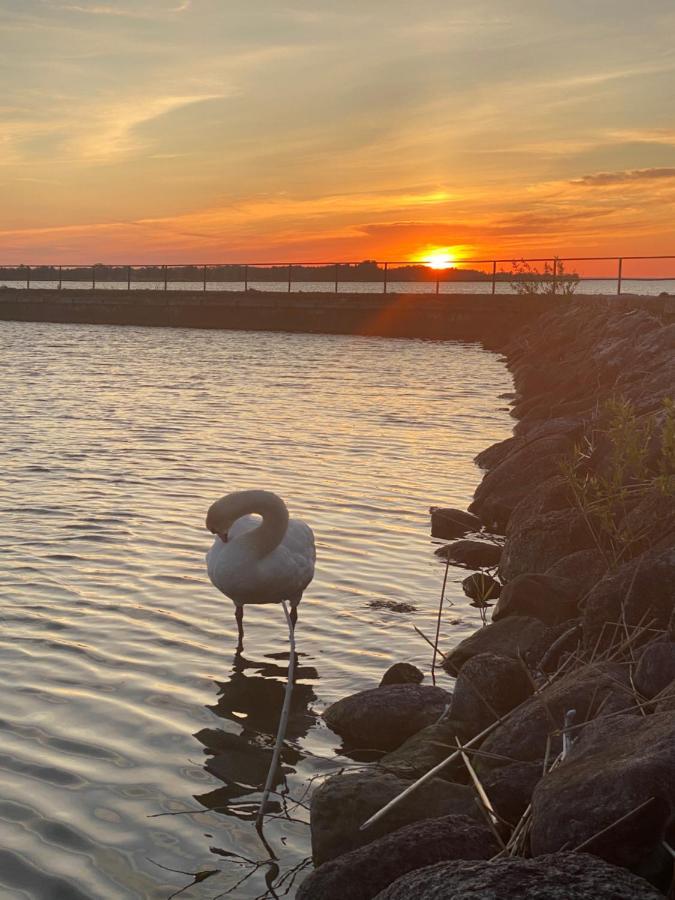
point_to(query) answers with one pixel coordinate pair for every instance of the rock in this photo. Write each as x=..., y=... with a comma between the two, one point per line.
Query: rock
x=452, y=523
x=583, y=569
x=656, y=668
x=559, y=876
x=362, y=873
x=546, y=654
x=392, y=606
x=510, y=788
x=510, y=637
x=344, y=802
x=383, y=717
x=545, y=597
x=425, y=749
x=402, y=673
x=487, y=687
x=481, y=587
x=614, y=766
x=544, y=540
x=650, y=523
x=643, y=589
x=496, y=453
x=471, y=554
x=522, y=471
x=522, y=737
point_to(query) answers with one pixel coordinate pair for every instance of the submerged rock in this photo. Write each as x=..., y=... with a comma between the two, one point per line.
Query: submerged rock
x=362, y=873
x=383, y=717
x=344, y=802
x=481, y=587
x=402, y=673
x=510, y=637
x=471, y=554
x=559, y=876
x=451, y=523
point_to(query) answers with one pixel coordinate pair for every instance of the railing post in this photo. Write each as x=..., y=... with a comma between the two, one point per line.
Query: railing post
x=336, y=277
x=290, y=267
x=554, y=269
x=384, y=283
x=438, y=282
x=128, y=278
x=93, y=278
x=619, y=277
x=166, y=278
x=60, y=278
x=246, y=279
x=494, y=276
x=27, y=278
x=204, y=281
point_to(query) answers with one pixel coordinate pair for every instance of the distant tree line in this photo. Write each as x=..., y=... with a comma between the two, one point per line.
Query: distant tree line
x=368, y=270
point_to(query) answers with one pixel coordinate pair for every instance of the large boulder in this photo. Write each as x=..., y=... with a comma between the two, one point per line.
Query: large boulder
x=488, y=686
x=448, y=523
x=471, y=554
x=615, y=765
x=546, y=597
x=582, y=569
x=510, y=788
x=427, y=748
x=344, y=802
x=383, y=717
x=559, y=876
x=510, y=637
x=362, y=873
x=524, y=734
x=543, y=540
x=642, y=590
x=519, y=473
x=656, y=668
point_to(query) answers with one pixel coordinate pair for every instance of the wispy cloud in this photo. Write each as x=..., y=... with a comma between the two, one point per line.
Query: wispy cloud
x=625, y=177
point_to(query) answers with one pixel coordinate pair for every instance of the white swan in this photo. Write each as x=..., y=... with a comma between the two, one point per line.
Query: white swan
x=258, y=562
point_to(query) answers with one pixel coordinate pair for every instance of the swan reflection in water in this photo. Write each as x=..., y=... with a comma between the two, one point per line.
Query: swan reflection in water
x=240, y=756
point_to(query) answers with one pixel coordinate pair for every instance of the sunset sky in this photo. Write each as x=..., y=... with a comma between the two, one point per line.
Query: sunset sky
x=244, y=130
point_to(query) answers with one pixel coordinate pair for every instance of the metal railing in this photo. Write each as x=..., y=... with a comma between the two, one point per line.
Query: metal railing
x=554, y=276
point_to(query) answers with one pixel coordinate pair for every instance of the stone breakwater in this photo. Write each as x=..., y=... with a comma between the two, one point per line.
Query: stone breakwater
x=565, y=700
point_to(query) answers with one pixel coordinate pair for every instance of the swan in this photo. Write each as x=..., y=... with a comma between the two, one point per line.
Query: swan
x=258, y=562
x=261, y=562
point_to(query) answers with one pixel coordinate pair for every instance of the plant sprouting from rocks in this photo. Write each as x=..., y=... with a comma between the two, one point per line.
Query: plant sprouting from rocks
x=615, y=466
x=528, y=280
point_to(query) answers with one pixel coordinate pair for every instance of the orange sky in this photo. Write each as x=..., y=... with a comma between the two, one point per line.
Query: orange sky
x=208, y=131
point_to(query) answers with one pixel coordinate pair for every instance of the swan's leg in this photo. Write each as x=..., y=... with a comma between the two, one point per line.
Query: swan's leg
x=294, y=601
x=239, y=616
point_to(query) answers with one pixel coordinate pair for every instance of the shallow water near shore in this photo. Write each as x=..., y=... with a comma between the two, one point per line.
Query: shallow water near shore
x=122, y=698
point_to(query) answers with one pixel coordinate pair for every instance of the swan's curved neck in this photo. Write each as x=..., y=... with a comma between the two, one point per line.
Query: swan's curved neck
x=269, y=534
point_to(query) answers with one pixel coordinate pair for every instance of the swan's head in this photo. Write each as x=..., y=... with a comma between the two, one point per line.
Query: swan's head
x=220, y=517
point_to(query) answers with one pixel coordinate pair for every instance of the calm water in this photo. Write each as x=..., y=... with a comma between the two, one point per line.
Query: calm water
x=597, y=286
x=122, y=699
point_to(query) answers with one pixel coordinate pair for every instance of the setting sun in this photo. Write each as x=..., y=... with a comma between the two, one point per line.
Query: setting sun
x=438, y=258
